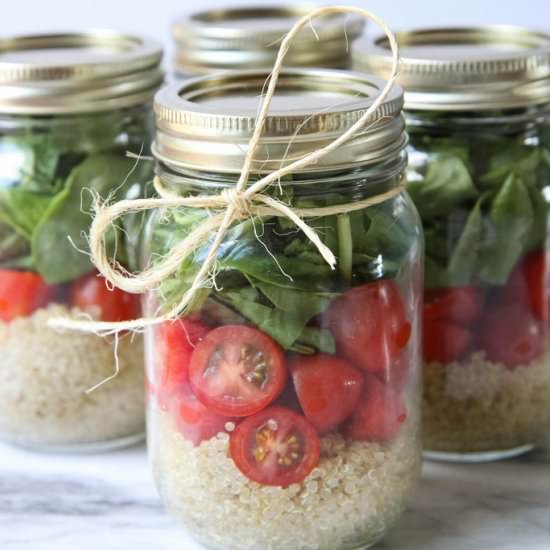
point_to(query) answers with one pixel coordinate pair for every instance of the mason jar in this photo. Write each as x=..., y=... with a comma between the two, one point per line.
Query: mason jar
x=71, y=106
x=284, y=406
x=479, y=172
x=248, y=37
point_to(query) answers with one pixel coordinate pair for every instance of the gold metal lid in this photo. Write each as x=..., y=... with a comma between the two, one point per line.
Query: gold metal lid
x=77, y=72
x=206, y=123
x=249, y=38
x=462, y=69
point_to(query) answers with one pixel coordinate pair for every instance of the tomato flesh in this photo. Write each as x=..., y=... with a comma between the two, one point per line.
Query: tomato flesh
x=379, y=414
x=511, y=335
x=276, y=447
x=461, y=305
x=445, y=342
x=195, y=422
x=531, y=282
x=22, y=293
x=237, y=370
x=370, y=326
x=328, y=389
x=91, y=291
x=176, y=342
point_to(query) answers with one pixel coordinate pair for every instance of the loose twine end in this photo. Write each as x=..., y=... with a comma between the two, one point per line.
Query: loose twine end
x=242, y=201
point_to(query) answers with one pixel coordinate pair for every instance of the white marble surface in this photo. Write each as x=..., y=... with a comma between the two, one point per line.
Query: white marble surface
x=108, y=502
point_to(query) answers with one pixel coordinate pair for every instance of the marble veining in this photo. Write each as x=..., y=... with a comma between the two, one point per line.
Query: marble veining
x=108, y=502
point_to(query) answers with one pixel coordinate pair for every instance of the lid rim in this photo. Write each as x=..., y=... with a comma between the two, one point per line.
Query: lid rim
x=433, y=80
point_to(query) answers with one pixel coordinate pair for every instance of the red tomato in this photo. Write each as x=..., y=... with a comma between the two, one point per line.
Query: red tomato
x=511, y=335
x=114, y=305
x=176, y=342
x=237, y=370
x=193, y=419
x=22, y=293
x=327, y=387
x=379, y=413
x=445, y=342
x=370, y=326
x=462, y=305
x=530, y=284
x=275, y=447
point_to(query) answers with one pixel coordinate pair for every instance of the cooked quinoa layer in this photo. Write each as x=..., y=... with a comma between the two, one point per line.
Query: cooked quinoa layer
x=357, y=491
x=478, y=406
x=45, y=373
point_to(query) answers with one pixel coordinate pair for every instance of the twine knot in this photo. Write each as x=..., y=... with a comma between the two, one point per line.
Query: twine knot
x=239, y=200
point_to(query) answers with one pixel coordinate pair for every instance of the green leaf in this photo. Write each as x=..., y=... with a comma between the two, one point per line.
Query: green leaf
x=463, y=263
x=69, y=215
x=22, y=209
x=507, y=231
x=446, y=185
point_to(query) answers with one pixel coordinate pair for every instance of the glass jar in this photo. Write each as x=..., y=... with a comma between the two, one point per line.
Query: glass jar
x=71, y=106
x=284, y=406
x=248, y=37
x=479, y=174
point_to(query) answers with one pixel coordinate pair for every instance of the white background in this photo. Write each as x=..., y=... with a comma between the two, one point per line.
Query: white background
x=153, y=17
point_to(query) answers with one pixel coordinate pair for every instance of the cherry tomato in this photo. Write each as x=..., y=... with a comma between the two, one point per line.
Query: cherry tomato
x=530, y=284
x=114, y=305
x=176, y=342
x=237, y=370
x=327, y=387
x=462, y=305
x=275, y=447
x=193, y=419
x=378, y=415
x=370, y=326
x=22, y=293
x=511, y=335
x=445, y=342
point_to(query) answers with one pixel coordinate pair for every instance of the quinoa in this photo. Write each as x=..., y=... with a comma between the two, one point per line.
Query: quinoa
x=45, y=374
x=480, y=406
x=348, y=501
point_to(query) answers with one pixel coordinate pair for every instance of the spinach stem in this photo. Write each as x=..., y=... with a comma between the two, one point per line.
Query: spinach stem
x=345, y=247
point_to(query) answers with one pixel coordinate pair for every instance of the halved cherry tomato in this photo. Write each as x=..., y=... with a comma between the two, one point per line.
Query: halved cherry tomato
x=510, y=334
x=327, y=387
x=275, y=447
x=530, y=284
x=237, y=370
x=22, y=293
x=445, y=342
x=193, y=419
x=378, y=415
x=176, y=342
x=114, y=305
x=462, y=305
x=370, y=326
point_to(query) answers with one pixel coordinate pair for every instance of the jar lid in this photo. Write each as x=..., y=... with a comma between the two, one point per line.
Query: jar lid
x=206, y=123
x=249, y=37
x=461, y=69
x=77, y=72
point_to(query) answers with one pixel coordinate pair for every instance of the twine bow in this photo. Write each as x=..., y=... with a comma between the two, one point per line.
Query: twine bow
x=242, y=201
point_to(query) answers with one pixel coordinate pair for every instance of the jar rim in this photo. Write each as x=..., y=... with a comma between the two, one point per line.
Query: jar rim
x=208, y=122
x=77, y=72
x=465, y=68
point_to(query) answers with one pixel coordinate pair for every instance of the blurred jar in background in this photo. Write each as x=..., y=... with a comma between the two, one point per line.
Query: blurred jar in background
x=477, y=103
x=71, y=106
x=248, y=37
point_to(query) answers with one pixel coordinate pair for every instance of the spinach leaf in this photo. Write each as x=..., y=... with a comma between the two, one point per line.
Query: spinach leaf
x=507, y=232
x=57, y=258
x=446, y=185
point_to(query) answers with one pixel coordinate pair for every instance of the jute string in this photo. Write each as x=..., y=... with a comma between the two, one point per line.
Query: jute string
x=241, y=202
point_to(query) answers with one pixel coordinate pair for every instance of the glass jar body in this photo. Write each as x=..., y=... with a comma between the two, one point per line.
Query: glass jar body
x=480, y=184
x=51, y=169
x=268, y=425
